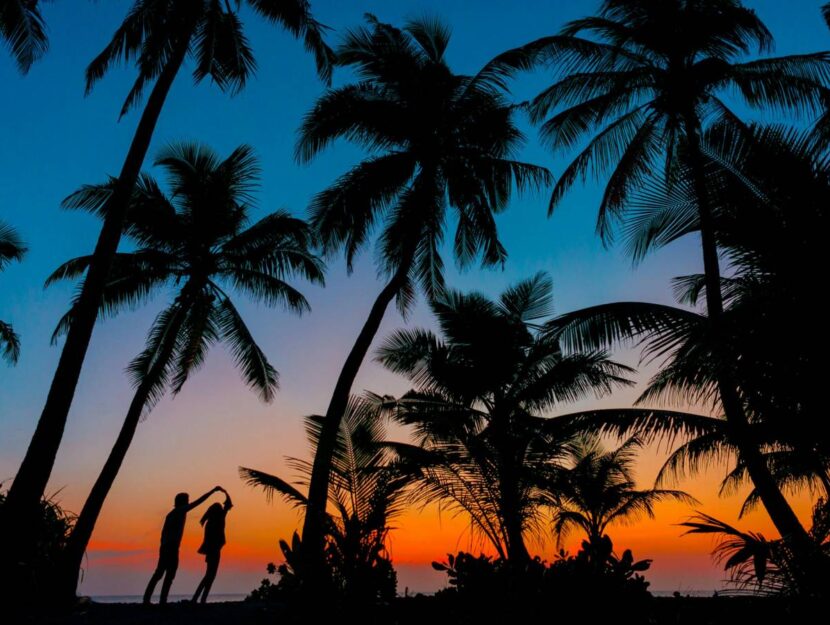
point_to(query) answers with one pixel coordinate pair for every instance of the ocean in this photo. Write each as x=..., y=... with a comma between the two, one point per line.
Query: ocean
x=221, y=598
x=217, y=598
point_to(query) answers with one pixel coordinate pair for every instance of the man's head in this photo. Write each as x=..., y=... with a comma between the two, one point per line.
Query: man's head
x=182, y=499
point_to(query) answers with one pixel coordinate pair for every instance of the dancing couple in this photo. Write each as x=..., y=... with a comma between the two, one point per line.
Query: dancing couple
x=213, y=522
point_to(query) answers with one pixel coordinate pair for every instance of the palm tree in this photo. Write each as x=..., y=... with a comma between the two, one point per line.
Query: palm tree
x=24, y=31
x=479, y=406
x=11, y=248
x=438, y=140
x=197, y=239
x=366, y=490
x=768, y=217
x=598, y=490
x=159, y=35
x=643, y=81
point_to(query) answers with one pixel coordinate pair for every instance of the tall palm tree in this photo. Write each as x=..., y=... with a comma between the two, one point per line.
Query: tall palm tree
x=438, y=140
x=598, y=489
x=480, y=403
x=196, y=239
x=11, y=249
x=158, y=35
x=24, y=31
x=366, y=490
x=643, y=78
x=768, y=218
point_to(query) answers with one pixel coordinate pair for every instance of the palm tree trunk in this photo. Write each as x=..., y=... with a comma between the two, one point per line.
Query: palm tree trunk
x=315, y=513
x=73, y=554
x=777, y=506
x=31, y=479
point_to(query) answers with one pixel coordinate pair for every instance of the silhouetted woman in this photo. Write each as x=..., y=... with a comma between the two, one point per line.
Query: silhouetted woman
x=214, y=524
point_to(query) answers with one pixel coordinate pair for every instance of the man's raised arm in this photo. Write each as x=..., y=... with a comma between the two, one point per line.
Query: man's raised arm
x=201, y=499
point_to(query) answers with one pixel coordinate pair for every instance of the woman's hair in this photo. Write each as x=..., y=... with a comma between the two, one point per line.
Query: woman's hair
x=213, y=512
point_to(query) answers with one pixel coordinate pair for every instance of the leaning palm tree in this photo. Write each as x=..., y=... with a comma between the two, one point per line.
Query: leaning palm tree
x=11, y=249
x=768, y=219
x=598, y=490
x=196, y=239
x=158, y=35
x=438, y=140
x=366, y=492
x=24, y=31
x=486, y=446
x=643, y=77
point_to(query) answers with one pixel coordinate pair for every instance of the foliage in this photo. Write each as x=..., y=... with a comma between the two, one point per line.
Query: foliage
x=437, y=140
x=198, y=240
x=598, y=490
x=637, y=77
x=11, y=249
x=365, y=494
x=754, y=563
x=53, y=527
x=486, y=447
x=211, y=32
x=595, y=580
x=24, y=31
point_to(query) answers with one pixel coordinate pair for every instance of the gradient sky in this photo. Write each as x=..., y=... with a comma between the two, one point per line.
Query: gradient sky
x=54, y=139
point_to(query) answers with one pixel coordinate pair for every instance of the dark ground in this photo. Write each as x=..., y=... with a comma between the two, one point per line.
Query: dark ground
x=429, y=611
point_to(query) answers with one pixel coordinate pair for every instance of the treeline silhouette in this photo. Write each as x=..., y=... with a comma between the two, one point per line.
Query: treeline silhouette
x=643, y=92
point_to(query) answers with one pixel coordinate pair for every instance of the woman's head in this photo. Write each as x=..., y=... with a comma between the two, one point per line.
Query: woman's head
x=215, y=511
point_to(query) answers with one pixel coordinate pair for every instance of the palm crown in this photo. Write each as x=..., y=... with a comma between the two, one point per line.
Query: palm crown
x=199, y=240
x=480, y=402
x=212, y=33
x=598, y=489
x=645, y=73
x=438, y=139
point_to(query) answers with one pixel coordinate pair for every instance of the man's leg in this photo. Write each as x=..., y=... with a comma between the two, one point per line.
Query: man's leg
x=153, y=581
x=169, y=575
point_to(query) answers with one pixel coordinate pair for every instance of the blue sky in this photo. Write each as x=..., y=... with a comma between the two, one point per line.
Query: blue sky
x=54, y=139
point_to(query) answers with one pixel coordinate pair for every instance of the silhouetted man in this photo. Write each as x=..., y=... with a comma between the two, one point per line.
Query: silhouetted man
x=171, y=539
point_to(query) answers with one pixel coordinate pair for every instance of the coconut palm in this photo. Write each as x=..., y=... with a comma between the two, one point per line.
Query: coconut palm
x=480, y=407
x=767, y=216
x=24, y=31
x=598, y=489
x=11, y=249
x=197, y=239
x=438, y=141
x=641, y=79
x=159, y=35
x=366, y=491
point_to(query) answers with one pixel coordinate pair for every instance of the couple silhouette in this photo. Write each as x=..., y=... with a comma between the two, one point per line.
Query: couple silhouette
x=213, y=520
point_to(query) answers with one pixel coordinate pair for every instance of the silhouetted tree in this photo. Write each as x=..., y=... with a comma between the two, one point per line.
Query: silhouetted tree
x=366, y=492
x=598, y=489
x=773, y=186
x=11, y=249
x=439, y=140
x=482, y=391
x=642, y=80
x=754, y=562
x=196, y=239
x=158, y=35
x=24, y=31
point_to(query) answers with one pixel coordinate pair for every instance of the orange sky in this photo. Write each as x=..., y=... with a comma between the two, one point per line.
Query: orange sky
x=123, y=552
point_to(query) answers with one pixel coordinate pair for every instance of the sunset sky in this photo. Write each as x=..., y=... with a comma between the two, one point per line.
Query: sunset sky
x=55, y=139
